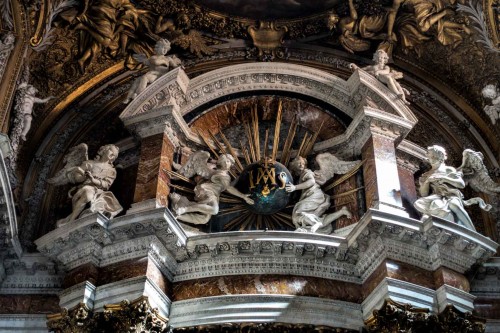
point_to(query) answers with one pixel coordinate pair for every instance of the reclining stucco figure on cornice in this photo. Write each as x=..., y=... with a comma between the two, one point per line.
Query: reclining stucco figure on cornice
x=158, y=65
x=92, y=180
x=440, y=187
x=385, y=74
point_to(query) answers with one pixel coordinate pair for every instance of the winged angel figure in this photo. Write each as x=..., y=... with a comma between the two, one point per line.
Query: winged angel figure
x=92, y=179
x=440, y=186
x=211, y=183
x=309, y=212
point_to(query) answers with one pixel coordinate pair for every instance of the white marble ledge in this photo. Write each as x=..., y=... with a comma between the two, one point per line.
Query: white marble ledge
x=102, y=232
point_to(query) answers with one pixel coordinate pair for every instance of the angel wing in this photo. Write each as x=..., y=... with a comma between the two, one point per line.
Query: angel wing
x=142, y=58
x=475, y=173
x=74, y=158
x=329, y=165
x=197, y=164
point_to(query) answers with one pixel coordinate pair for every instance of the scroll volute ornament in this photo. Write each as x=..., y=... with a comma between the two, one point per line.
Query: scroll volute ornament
x=267, y=37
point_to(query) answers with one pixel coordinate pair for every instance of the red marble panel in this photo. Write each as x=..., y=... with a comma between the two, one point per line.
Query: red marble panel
x=447, y=276
x=267, y=284
x=154, y=273
x=29, y=304
x=156, y=156
x=122, y=270
x=409, y=273
x=350, y=201
x=487, y=307
x=87, y=272
x=408, y=188
x=374, y=279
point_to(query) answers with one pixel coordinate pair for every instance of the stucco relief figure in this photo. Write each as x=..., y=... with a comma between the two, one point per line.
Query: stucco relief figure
x=158, y=65
x=385, y=74
x=356, y=32
x=92, y=180
x=309, y=212
x=440, y=187
x=491, y=92
x=24, y=107
x=210, y=184
x=422, y=16
x=116, y=27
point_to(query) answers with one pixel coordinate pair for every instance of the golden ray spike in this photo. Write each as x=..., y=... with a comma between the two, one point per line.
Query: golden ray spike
x=266, y=139
x=207, y=143
x=239, y=167
x=313, y=140
x=236, y=221
x=245, y=154
x=340, y=195
x=223, y=150
x=182, y=188
x=247, y=221
x=284, y=218
x=302, y=144
x=234, y=209
x=268, y=225
x=275, y=222
x=173, y=174
x=344, y=177
x=248, y=131
x=292, y=131
x=230, y=200
x=277, y=128
x=258, y=223
x=256, y=139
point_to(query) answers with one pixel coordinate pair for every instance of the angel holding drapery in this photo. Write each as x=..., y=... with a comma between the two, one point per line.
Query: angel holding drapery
x=211, y=183
x=92, y=179
x=309, y=212
x=440, y=187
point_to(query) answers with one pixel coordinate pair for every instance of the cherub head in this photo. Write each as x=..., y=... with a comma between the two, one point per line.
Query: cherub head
x=298, y=165
x=225, y=161
x=490, y=91
x=380, y=57
x=162, y=47
x=436, y=154
x=331, y=20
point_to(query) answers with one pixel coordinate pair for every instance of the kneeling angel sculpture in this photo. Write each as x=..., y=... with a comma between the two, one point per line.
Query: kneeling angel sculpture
x=211, y=183
x=309, y=212
x=92, y=179
x=440, y=187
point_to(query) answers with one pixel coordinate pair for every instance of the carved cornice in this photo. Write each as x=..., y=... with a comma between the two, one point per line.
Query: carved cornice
x=126, y=316
x=378, y=236
x=396, y=317
x=94, y=240
x=262, y=327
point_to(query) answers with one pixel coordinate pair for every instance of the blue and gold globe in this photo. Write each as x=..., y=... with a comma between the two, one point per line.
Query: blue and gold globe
x=265, y=182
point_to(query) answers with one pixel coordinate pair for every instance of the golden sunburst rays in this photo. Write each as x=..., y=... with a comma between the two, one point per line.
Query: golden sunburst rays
x=234, y=214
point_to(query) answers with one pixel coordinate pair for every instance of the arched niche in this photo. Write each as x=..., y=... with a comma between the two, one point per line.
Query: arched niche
x=362, y=98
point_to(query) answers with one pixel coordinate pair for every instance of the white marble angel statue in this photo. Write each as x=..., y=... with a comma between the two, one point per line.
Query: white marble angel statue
x=158, y=64
x=385, y=74
x=491, y=92
x=26, y=100
x=309, y=212
x=440, y=187
x=92, y=179
x=212, y=182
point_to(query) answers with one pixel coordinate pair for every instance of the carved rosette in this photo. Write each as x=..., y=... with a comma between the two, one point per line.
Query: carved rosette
x=397, y=317
x=136, y=316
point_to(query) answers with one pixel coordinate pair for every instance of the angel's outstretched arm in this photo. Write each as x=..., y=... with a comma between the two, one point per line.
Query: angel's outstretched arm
x=232, y=190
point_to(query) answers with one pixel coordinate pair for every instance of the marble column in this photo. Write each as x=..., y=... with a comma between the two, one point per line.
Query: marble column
x=380, y=171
